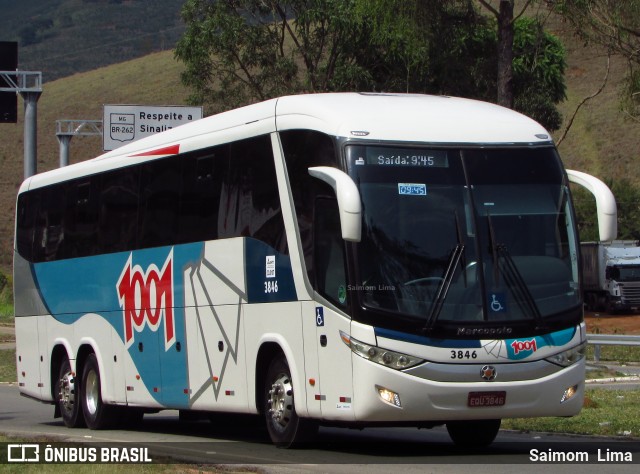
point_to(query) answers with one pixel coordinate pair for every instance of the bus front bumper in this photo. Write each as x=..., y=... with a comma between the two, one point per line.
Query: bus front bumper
x=386, y=395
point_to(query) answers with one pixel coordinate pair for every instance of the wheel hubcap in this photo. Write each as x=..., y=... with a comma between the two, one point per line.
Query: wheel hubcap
x=92, y=392
x=280, y=401
x=66, y=391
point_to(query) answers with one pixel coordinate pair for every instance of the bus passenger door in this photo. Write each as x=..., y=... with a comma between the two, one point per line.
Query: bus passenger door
x=334, y=357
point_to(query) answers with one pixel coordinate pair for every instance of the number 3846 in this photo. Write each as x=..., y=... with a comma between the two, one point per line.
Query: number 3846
x=464, y=354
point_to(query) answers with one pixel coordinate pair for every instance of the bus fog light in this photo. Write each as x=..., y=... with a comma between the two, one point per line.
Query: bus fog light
x=389, y=396
x=569, y=393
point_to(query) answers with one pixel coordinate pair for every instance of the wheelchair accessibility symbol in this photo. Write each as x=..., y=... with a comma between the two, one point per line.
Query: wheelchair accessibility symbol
x=497, y=304
x=319, y=316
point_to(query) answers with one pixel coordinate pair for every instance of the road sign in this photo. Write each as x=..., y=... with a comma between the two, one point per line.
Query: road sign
x=127, y=123
x=8, y=99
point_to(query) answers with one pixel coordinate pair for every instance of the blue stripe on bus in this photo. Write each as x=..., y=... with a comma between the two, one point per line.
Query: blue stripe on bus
x=268, y=274
x=427, y=341
x=72, y=288
x=517, y=348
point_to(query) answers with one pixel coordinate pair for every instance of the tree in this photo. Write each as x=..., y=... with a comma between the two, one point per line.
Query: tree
x=241, y=51
x=628, y=207
x=463, y=62
x=616, y=26
x=505, y=19
x=538, y=73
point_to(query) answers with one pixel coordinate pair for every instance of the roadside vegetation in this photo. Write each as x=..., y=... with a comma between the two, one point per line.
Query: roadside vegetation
x=8, y=365
x=615, y=354
x=6, y=300
x=605, y=413
x=7, y=356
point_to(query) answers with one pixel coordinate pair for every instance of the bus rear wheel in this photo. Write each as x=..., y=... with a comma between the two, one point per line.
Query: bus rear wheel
x=285, y=427
x=97, y=414
x=473, y=433
x=69, y=396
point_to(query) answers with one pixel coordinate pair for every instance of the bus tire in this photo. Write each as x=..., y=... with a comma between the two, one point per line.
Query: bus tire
x=473, y=433
x=285, y=427
x=69, y=396
x=97, y=414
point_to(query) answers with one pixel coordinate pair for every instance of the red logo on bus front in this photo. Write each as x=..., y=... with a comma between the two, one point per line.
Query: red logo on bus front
x=146, y=298
x=524, y=346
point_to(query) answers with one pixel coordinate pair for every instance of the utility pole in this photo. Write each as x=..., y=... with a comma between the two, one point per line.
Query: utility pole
x=29, y=85
x=67, y=129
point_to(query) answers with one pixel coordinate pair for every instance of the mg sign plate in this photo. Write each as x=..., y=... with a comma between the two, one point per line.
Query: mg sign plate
x=127, y=123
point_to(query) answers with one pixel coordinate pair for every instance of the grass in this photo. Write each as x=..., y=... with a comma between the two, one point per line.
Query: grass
x=6, y=299
x=8, y=365
x=602, y=373
x=6, y=314
x=605, y=413
x=615, y=354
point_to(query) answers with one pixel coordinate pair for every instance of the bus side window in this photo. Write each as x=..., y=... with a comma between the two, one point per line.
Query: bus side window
x=250, y=202
x=302, y=150
x=329, y=254
x=49, y=235
x=28, y=204
x=202, y=174
x=159, y=203
x=81, y=219
x=119, y=210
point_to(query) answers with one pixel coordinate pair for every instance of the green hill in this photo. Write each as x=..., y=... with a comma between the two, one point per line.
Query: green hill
x=602, y=141
x=64, y=37
x=152, y=80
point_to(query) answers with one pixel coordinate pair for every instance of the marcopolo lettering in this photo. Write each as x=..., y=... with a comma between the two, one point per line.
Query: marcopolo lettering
x=503, y=331
x=146, y=298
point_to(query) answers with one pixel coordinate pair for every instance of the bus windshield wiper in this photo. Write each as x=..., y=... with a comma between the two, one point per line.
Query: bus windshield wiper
x=494, y=250
x=443, y=288
x=513, y=279
x=502, y=262
x=461, y=244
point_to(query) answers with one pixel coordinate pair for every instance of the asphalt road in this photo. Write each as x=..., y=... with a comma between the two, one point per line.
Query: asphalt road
x=243, y=440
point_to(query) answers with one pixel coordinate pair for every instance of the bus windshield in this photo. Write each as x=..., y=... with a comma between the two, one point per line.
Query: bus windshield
x=463, y=236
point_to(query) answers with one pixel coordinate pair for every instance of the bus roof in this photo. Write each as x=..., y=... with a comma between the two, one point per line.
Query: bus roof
x=370, y=116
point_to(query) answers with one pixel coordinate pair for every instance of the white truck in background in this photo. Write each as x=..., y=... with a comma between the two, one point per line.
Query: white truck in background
x=611, y=275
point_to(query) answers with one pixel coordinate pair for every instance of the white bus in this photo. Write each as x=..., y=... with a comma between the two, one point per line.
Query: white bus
x=338, y=259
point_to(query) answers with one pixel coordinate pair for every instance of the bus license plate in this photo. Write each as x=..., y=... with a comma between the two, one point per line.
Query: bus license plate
x=486, y=399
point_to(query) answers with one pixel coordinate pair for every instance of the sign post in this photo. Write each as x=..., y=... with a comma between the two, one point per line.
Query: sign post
x=67, y=129
x=29, y=85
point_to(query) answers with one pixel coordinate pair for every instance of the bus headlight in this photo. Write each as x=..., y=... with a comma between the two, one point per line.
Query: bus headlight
x=568, y=357
x=391, y=359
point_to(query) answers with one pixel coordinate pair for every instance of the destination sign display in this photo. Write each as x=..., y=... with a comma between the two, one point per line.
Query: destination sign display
x=410, y=157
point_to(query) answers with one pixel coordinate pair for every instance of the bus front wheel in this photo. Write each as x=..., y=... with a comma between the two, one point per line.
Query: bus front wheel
x=473, y=433
x=285, y=428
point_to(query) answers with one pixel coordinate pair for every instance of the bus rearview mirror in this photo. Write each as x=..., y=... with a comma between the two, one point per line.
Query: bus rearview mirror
x=349, y=205
x=605, y=203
